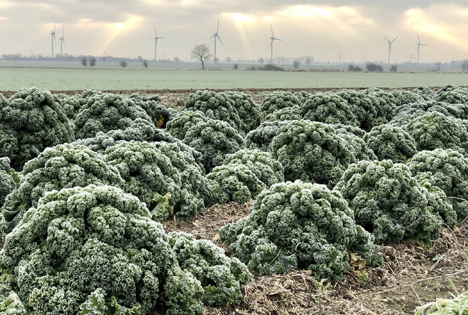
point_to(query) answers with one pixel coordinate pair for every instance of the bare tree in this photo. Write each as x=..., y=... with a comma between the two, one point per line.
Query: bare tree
x=84, y=61
x=228, y=59
x=123, y=63
x=308, y=62
x=92, y=61
x=261, y=61
x=201, y=52
x=145, y=63
x=177, y=59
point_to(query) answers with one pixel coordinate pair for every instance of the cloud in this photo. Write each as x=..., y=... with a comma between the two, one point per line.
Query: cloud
x=322, y=29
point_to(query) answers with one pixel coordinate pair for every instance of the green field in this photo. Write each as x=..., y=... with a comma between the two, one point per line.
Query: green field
x=12, y=79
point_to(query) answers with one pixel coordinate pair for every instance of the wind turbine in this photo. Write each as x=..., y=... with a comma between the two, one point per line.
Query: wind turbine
x=62, y=41
x=390, y=47
x=273, y=38
x=52, y=33
x=156, y=43
x=216, y=36
x=419, y=46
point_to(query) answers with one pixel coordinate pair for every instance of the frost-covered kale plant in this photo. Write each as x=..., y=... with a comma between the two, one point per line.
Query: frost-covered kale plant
x=155, y=170
x=262, y=164
x=329, y=108
x=37, y=120
x=72, y=105
x=139, y=130
x=299, y=225
x=153, y=107
x=312, y=152
x=215, y=105
x=452, y=95
x=221, y=277
x=407, y=97
x=406, y=113
x=262, y=137
x=62, y=166
x=437, y=131
x=105, y=112
x=184, y=120
x=214, y=139
x=302, y=96
x=7, y=180
x=347, y=129
x=391, y=143
x=288, y=113
x=358, y=147
x=249, y=112
x=95, y=250
x=278, y=100
x=389, y=203
x=236, y=182
x=448, y=170
x=425, y=92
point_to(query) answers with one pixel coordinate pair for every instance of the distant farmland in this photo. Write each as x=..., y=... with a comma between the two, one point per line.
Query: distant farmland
x=12, y=79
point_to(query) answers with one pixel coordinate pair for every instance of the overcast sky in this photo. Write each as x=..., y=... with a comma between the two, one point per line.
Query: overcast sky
x=323, y=29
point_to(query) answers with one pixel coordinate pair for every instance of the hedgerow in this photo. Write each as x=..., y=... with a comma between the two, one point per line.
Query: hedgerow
x=388, y=202
x=391, y=143
x=84, y=249
x=448, y=170
x=155, y=170
x=105, y=112
x=328, y=108
x=278, y=100
x=311, y=151
x=37, y=120
x=62, y=166
x=217, y=106
x=268, y=170
x=248, y=111
x=214, y=139
x=299, y=225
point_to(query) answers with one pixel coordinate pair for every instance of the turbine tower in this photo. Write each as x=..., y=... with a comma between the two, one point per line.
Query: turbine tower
x=52, y=33
x=62, y=41
x=156, y=44
x=390, y=47
x=216, y=36
x=419, y=46
x=273, y=38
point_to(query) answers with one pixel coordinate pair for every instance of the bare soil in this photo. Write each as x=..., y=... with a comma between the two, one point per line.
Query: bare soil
x=413, y=275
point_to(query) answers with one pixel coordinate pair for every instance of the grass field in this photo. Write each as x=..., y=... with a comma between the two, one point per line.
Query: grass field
x=12, y=79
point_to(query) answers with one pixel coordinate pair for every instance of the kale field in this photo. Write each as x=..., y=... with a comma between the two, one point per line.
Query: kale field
x=344, y=201
x=14, y=78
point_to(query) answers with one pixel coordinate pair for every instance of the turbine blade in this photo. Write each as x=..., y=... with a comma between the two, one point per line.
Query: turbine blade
x=63, y=31
x=220, y=40
x=55, y=26
x=386, y=38
x=64, y=43
x=418, y=38
x=394, y=39
x=156, y=34
x=212, y=36
x=423, y=45
x=273, y=35
x=217, y=29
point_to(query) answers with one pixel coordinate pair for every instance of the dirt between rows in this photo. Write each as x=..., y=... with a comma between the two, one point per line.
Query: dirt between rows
x=413, y=275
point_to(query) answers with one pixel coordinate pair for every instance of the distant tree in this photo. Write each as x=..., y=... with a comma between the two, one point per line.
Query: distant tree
x=236, y=66
x=353, y=68
x=145, y=63
x=371, y=66
x=123, y=63
x=84, y=61
x=296, y=64
x=177, y=59
x=201, y=52
x=464, y=65
x=140, y=58
x=261, y=61
x=393, y=68
x=228, y=59
x=437, y=66
x=308, y=62
x=92, y=61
